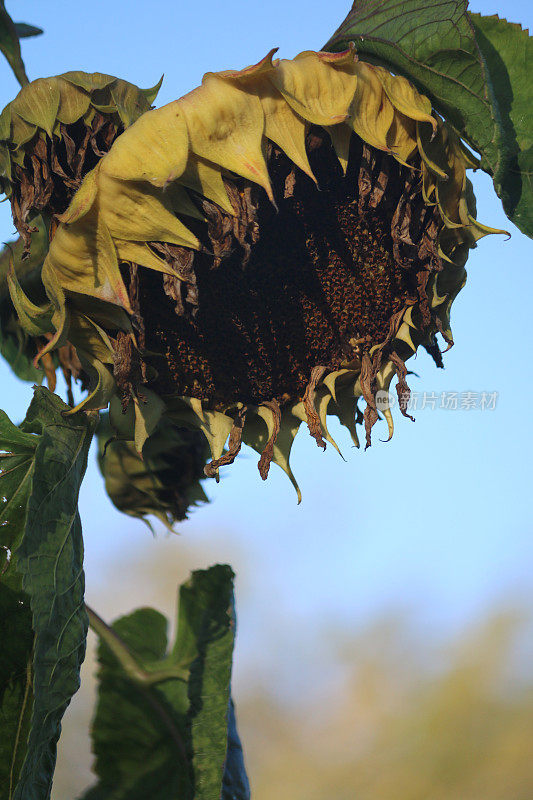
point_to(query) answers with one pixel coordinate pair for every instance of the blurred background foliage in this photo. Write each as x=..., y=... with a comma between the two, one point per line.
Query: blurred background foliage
x=390, y=714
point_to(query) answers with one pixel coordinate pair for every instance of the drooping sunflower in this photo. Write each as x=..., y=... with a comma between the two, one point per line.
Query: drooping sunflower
x=54, y=132
x=262, y=252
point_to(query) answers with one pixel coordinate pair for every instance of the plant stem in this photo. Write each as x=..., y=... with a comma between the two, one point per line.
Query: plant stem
x=127, y=660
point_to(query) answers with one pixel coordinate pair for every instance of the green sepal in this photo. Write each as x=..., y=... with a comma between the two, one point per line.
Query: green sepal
x=165, y=482
x=152, y=93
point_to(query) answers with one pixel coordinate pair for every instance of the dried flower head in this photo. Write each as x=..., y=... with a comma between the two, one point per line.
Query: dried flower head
x=54, y=132
x=264, y=252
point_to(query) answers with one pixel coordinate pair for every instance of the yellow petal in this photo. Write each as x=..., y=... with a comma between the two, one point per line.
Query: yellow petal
x=248, y=73
x=83, y=200
x=82, y=259
x=154, y=149
x=340, y=137
x=137, y=212
x=140, y=253
x=284, y=127
x=371, y=112
x=101, y=384
x=401, y=137
x=405, y=97
x=177, y=198
x=205, y=178
x=318, y=90
x=86, y=335
x=226, y=126
x=433, y=149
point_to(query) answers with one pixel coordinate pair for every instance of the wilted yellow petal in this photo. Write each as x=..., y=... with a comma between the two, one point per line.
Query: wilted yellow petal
x=405, y=97
x=226, y=126
x=136, y=211
x=318, y=91
x=401, y=137
x=283, y=126
x=179, y=201
x=82, y=259
x=83, y=200
x=101, y=384
x=371, y=112
x=248, y=73
x=205, y=178
x=433, y=149
x=163, y=132
x=340, y=138
x=86, y=335
x=140, y=253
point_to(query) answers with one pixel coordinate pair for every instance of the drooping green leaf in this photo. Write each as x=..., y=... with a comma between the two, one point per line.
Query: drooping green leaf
x=47, y=457
x=24, y=31
x=508, y=53
x=16, y=634
x=10, y=46
x=161, y=727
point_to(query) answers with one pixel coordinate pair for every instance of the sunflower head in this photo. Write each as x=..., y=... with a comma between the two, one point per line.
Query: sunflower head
x=263, y=252
x=54, y=132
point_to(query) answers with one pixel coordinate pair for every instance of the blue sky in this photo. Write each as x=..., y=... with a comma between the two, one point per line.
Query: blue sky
x=438, y=521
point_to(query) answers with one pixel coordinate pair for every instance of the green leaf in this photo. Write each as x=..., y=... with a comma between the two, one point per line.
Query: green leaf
x=161, y=725
x=508, y=53
x=16, y=634
x=16, y=678
x=9, y=45
x=235, y=785
x=24, y=31
x=46, y=457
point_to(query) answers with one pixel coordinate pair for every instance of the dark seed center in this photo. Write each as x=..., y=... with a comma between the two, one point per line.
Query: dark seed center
x=280, y=292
